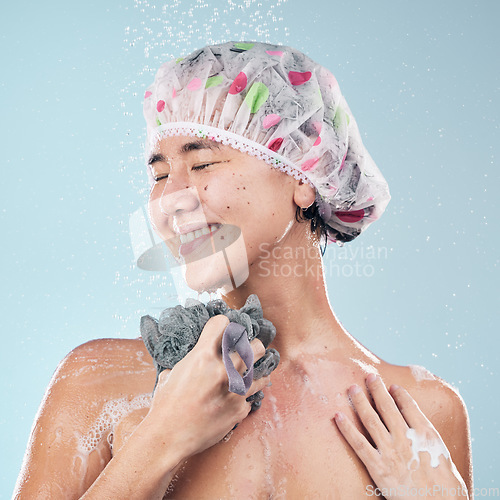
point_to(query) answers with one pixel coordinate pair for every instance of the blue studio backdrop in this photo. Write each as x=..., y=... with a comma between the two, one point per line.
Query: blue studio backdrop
x=422, y=80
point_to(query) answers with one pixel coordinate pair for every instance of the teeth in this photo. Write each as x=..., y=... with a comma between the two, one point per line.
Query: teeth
x=187, y=237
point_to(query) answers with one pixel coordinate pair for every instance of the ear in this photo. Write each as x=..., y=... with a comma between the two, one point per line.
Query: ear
x=304, y=194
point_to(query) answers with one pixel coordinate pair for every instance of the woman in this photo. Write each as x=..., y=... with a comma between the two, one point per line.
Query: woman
x=246, y=142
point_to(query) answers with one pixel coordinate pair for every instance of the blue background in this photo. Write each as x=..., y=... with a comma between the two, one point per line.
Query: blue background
x=422, y=80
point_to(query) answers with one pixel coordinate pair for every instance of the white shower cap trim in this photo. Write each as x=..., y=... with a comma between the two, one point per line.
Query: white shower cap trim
x=229, y=139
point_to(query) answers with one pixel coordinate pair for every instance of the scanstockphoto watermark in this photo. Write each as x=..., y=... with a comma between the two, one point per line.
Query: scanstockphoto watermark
x=347, y=262
x=436, y=491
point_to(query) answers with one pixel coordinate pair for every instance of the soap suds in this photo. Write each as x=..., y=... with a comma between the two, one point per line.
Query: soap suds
x=276, y=415
x=367, y=368
x=112, y=412
x=420, y=373
x=419, y=443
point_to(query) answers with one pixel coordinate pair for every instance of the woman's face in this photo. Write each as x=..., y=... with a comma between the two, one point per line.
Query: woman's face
x=218, y=210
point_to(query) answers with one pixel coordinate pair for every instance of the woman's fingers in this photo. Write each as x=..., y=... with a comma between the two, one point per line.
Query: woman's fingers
x=395, y=412
x=210, y=342
x=258, y=385
x=368, y=416
x=211, y=335
x=409, y=408
x=392, y=466
x=258, y=350
x=365, y=451
x=386, y=407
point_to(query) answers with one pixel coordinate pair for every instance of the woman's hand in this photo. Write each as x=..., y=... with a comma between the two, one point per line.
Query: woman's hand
x=192, y=409
x=194, y=398
x=409, y=458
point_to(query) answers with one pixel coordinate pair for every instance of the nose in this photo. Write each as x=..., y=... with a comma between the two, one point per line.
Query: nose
x=176, y=200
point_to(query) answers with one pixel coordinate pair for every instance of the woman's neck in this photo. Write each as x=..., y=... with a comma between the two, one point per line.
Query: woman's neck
x=290, y=285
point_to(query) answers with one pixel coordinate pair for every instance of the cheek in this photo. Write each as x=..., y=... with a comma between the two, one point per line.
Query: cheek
x=225, y=196
x=263, y=206
x=260, y=204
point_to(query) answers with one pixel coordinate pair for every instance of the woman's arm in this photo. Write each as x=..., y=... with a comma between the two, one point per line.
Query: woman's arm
x=57, y=463
x=190, y=411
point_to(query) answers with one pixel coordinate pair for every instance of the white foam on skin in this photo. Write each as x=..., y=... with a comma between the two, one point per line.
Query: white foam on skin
x=419, y=443
x=276, y=415
x=365, y=366
x=112, y=412
x=420, y=373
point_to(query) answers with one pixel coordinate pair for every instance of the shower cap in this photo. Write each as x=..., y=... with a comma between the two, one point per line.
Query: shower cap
x=275, y=103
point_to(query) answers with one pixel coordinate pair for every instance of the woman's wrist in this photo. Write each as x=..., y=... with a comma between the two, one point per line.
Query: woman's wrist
x=143, y=467
x=163, y=444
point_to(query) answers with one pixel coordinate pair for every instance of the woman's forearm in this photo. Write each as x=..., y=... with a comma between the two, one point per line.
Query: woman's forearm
x=141, y=469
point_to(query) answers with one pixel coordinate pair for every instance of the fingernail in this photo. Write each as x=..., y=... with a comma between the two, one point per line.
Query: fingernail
x=371, y=378
x=339, y=416
x=354, y=389
x=394, y=387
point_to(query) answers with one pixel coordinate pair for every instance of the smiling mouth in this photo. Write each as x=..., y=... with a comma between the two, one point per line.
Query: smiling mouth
x=192, y=240
x=192, y=235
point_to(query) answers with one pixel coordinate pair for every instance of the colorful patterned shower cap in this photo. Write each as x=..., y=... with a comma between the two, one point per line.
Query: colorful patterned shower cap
x=275, y=103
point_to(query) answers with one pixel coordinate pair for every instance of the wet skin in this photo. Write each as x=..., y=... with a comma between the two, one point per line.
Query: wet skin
x=290, y=446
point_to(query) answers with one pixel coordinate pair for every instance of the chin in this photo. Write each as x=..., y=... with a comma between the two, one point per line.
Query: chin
x=226, y=269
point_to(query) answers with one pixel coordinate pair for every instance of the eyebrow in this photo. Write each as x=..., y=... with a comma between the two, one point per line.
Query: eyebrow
x=187, y=148
x=156, y=157
x=198, y=144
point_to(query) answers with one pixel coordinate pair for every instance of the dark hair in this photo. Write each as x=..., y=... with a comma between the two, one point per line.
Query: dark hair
x=318, y=226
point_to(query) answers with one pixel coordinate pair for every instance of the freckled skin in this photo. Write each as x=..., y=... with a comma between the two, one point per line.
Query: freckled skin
x=227, y=171
x=289, y=447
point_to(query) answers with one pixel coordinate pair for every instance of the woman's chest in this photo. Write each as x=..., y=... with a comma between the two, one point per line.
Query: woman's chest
x=284, y=450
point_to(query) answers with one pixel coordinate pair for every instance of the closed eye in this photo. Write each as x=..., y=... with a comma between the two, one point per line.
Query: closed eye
x=202, y=166
x=196, y=167
x=158, y=179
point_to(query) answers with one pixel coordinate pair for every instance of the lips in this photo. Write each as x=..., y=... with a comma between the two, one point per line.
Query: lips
x=193, y=239
x=192, y=235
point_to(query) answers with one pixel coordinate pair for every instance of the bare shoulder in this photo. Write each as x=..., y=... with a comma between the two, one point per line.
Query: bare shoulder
x=443, y=406
x=68, y=446
x=105, y=364
x=438, y=400
x=92, y=375
x=107, y=350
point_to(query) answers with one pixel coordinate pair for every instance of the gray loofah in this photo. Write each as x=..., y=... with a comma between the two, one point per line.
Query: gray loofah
x=171, y=337
x=267, y=364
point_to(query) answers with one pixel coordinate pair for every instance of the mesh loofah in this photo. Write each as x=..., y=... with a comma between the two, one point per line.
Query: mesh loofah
x=274, y=103
x=177, y=331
